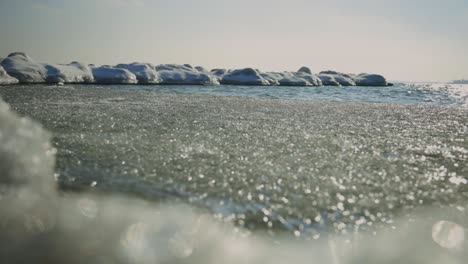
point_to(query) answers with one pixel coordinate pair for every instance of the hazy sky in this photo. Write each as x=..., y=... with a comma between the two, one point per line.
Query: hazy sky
x=402, y=39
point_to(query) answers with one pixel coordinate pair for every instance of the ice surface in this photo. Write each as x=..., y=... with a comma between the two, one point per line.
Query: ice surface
x=144, y=72
x=111, y=75
x=267, y=156
x=74, y=72
x=24, y=68
x=246, y=76
x=174, y=74
x=5, y=78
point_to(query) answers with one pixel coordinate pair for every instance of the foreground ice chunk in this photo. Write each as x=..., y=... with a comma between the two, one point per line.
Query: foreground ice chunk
x=247, y=76
x=144, y=72
x=5, y=78
x=24, y=68
x=174, y=74
x=365, y=79
x=26, y=156
x=110, y=75
x=74, y=72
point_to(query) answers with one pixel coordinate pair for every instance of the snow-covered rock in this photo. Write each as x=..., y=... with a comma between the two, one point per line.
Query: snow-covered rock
x=247, y=76
x=342, y=78
x=24, y=68
x=74, y=72
x=202, y=69
x=174, y=74
x=5, y=78
x=111, y=75
x=328, y=80
x=306, y=74
x=144, y=72
x=219, y=72
x=285, y=79
x=305, y=70
x=365, y=79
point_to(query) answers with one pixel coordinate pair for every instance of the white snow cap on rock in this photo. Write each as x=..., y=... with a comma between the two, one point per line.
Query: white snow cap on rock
x=285, y=79
x=24, y=68
x=365, y=79
x=342, y=78
x=111, y=75
x=144, y=72
x=74, y=72
x=247, y=76
x=5, y=78
x=174, y=74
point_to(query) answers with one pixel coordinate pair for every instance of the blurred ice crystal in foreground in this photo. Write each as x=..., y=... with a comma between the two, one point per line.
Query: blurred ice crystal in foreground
x=448, y=235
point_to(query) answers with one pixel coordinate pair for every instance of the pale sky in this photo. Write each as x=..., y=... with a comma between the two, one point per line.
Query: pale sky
x=414, y=40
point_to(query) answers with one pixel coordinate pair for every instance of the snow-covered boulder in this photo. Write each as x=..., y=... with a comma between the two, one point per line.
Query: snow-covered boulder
x=285, y=79
x=247, y=76
x=342, y=78
x=24, y=68
x=305, y=70
x=328, y=80
x=111, y=75
x=202, y=69
x=5, y=78
x=306, y=74
x=365, y=79
x=219, y=72
x=74, y=72
x=174, y=74
x=144, y=72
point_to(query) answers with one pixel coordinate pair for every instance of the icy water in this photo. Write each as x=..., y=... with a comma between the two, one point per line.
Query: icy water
x=332, y=161
x=400, y=93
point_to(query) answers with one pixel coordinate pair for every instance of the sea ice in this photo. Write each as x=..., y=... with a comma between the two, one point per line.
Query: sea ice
x=24, y=68
x=247, y=76
x=5, y=78
x=144, y=72
x=111, y=75
x=74, y=72
x=174, y=74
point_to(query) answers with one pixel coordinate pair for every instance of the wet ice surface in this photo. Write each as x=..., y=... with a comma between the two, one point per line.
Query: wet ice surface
x=401, y=93
x=263, y=164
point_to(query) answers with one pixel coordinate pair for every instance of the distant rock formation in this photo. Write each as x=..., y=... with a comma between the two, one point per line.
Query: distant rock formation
x=19, y=67
x=460, y=82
